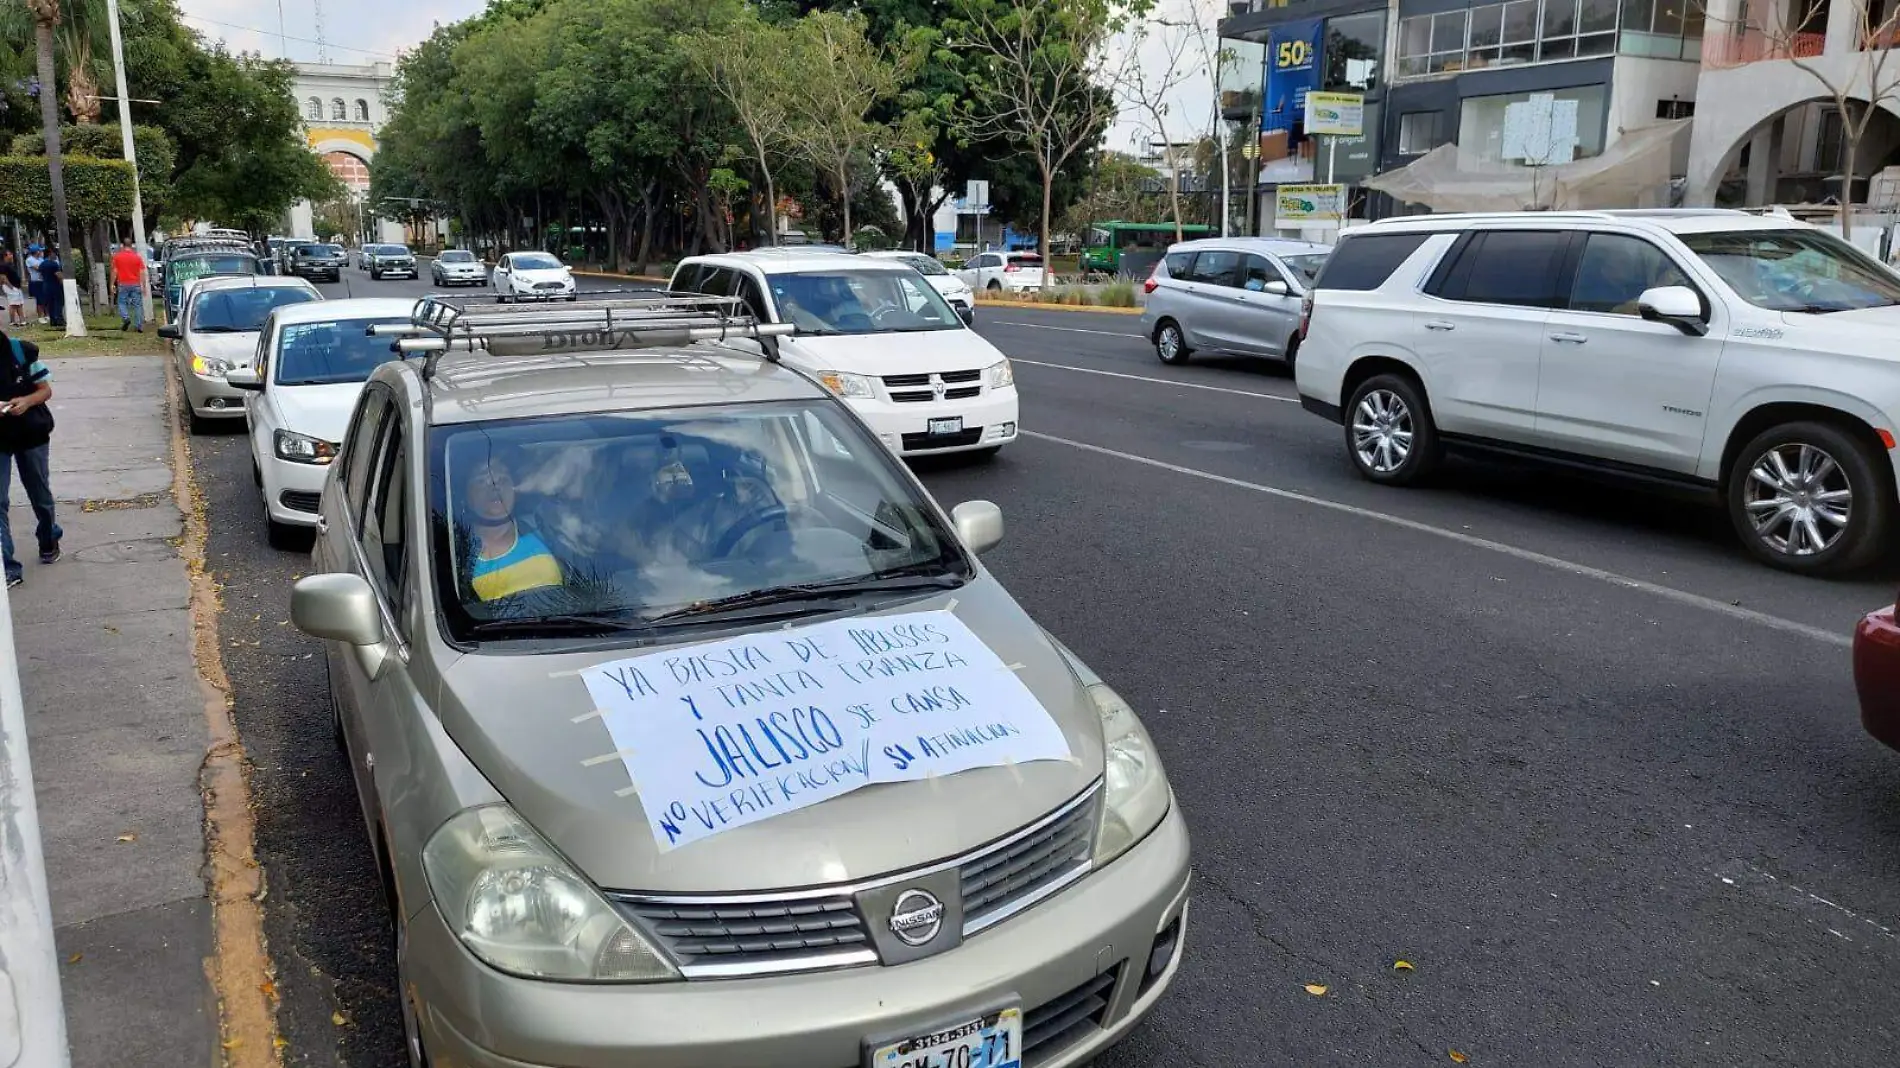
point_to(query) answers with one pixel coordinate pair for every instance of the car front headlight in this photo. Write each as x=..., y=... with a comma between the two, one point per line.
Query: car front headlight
x=208, y=366
x=1135, y=792
x=302, y=448
x=523, y=910
x=1001, y=375
x=847, y=385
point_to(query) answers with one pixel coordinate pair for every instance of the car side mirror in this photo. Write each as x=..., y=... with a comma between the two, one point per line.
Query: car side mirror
x=1676, y=305
x=337, y=607
x=244, y=378
x=979, y=524
x=1276, y=288
x=171, y=332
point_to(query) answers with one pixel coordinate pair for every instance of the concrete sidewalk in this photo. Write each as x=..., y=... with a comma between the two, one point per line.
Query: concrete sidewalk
x=117, y=726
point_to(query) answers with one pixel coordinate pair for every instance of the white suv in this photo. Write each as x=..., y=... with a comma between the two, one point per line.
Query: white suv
x=1752, y=359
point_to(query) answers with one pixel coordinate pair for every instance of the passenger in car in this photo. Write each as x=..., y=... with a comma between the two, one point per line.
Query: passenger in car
x=506, y=559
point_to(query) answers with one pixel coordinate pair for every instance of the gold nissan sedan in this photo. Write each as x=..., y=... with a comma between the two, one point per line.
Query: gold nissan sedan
x=690, y=733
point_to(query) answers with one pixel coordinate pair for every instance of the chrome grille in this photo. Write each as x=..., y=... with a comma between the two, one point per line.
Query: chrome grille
x=961, y=376
x=895, y=381
x=753, y=937
x=1000, y=883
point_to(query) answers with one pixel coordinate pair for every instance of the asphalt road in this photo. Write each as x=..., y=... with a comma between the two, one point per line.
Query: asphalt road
x=1563, y=749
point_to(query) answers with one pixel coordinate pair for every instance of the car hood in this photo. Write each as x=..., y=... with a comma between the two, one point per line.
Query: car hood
x=319, y=411
x=947, y=283
x=235, y=349
x=550, y=274
x=514, y=716
x=1861, y=322
x=921, y=352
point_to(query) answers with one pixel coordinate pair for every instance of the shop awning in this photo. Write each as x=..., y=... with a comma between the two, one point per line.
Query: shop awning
x=1633, y=172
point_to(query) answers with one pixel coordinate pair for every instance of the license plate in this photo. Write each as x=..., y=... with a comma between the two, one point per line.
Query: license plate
x=995, y=1041
x=952, y=425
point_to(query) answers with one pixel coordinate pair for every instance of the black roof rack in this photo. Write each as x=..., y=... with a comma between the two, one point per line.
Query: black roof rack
x=595, y=322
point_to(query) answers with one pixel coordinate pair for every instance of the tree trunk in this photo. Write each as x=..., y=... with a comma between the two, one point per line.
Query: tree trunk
x=1849, y=151
x=1042, y=237
x=644, y=252
x=844, y=198
x=49, y=122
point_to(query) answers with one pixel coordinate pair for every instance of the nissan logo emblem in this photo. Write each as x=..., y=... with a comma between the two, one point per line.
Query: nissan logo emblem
x=917, y=917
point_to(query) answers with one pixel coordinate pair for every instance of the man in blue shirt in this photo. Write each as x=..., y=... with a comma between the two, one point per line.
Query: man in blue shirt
x=26, y=426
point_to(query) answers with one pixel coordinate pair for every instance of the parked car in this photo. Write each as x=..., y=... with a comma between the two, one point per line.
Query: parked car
x=384, y=261
x=218, y=333
x=1237, y=296
x=457, y=267
x=999, y=271
x=664, y=499
x=312, y=365
x=1747, y=359
x=532, y=276
x=1877, y=675
x=318, y=261
x=179, y=247
x=955, y=290
x=882, y=338
x=190, y=264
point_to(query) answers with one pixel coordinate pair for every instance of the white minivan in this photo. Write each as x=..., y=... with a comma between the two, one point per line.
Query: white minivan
x=880, y=336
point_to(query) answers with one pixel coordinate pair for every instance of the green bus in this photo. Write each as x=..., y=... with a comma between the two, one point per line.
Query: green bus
x=1129, y=248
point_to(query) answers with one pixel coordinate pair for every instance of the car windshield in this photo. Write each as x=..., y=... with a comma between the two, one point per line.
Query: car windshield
x=535, y=261
x=199, y=266
x=393, y=250
x=457, y=257
x=330, y=250
x=232, y=311
x=332, y=352
x=924, y=264
x=1305, y=267
x=308, y=250
x=1796, y=270
x=860, y=302
x=603, y=522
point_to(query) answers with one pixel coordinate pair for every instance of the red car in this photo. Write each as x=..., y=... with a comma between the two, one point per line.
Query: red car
x=1877, y=675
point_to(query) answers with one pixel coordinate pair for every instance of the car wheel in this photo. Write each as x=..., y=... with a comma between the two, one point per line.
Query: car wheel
x=375, y=275
x=283, y=536
x=1292, y=352
x=199, y=425
x=994, y=286
x=257, y=475
x=1170, y=343
x=1810, y=498
x=1389, y=431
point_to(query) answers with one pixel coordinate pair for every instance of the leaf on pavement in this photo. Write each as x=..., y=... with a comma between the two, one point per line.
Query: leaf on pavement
x=1457, y=1057
x=338, y=1019
x=280, y=1042
x=1401, y=965
x=232, y=1043
x=1316, y=989
x=74, y=959
x=128, y=837
x=269, y=988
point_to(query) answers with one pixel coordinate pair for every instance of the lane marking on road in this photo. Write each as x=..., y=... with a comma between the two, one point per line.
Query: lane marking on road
x=1668, y=593
x=1156, y=381
x=1065, y=329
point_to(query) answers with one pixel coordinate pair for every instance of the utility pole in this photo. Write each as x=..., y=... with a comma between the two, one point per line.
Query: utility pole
x=131, y=152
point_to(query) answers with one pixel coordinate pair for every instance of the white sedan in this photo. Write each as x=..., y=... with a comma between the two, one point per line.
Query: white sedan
x=955, y=290
x=532, y=276
x=315, y=360
x=994, y=272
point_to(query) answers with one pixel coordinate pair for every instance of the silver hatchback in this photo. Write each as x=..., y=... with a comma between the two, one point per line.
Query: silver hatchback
x=1230, y=296
x=689, y=731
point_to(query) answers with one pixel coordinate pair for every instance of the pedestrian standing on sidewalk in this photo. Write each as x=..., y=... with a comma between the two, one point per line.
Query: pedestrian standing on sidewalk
x=53, y=289
x=10, y=291
x=33, y=260
x=129, y=267
x=26, y=429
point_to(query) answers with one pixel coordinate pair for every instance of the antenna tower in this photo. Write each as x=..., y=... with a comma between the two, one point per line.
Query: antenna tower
x=323, y=41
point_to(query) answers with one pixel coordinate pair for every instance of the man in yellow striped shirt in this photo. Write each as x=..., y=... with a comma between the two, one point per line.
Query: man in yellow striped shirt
x=507, y=559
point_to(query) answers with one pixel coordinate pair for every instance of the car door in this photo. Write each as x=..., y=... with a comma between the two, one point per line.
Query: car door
x=1613, y=385
x=1269, y=307
x=1482, y=325
x=980, y=270
x=1210, y=301
x=502, y=270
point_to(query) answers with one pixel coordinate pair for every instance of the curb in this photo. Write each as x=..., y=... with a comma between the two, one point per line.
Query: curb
x=1030, y=305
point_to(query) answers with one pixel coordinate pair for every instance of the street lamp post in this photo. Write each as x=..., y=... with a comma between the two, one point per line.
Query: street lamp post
x=131, y=152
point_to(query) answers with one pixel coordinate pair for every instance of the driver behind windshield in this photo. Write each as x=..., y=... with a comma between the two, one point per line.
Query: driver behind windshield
x=506, y=559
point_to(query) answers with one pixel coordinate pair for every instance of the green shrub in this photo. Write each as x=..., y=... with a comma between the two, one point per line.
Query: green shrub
x=1117, y=295
x=95, y=188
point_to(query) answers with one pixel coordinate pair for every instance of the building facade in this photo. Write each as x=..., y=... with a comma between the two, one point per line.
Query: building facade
x=342, y=107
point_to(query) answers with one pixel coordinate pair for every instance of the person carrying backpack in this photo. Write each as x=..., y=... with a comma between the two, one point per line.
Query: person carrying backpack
x=26, y=429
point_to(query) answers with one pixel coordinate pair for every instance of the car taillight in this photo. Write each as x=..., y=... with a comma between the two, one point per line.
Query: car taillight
x=1011, y=269
x=1154, y=275
x=1306, y=314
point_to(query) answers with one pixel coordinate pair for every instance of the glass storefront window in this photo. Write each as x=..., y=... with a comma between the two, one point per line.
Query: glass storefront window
x=1481, y=123
x=1526, y=31
x=1354, y=47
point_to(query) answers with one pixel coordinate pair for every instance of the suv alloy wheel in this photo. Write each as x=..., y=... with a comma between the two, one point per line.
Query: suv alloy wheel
x=1810, y=498
x=1389, y=431
x=1170, y=344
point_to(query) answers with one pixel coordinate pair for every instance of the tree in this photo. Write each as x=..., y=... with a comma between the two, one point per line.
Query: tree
x=263, y=164
x=45, y=21
x=1858, y=94
x=747, y=62
x=1031, y=64
x=1151, y=91
x=840, y=77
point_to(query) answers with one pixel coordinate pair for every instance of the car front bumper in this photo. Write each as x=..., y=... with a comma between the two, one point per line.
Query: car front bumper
x=211, y=397
x=1877, y=675
x=387, y=269
x=1096, y=937
x=291, y=490
x=542, y=294
x=989, y=420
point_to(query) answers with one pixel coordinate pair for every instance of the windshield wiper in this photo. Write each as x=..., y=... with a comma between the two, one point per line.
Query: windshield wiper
x=913, y=577
x=558, y=625
x=218, y=330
